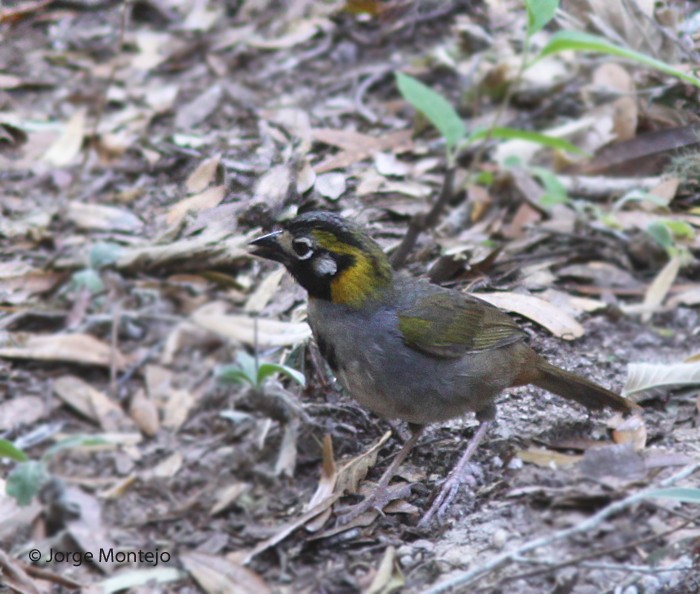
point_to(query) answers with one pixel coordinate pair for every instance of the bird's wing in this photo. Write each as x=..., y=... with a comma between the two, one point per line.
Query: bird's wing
x=449, y=324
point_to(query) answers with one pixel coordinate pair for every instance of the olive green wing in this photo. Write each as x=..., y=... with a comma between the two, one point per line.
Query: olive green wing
x=448, y=324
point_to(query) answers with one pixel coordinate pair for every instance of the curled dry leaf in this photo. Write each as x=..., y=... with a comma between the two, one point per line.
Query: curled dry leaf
x=71, y=348
x=539, y=311
x=251, y=331
x=218, y=574
x=102, y=217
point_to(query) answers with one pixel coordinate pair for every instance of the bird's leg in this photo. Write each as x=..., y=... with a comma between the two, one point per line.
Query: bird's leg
x=450, y=487
x=380, y=496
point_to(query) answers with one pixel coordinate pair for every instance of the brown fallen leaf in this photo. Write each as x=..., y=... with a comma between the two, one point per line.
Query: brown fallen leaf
x=388, y=577
x=21, y=410
x=203, y=175
x=92, y=403
x=144, y=413
x=72, y=348
x=216, y=575
x=205, y=200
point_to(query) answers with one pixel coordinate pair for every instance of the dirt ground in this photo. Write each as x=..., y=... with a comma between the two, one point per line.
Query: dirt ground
x=143, y=144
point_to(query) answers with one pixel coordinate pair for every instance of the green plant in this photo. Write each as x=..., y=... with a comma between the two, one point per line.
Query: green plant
x=249, y=370
x=27, y=477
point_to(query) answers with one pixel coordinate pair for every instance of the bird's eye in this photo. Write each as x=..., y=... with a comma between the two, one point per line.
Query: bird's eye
x=302, y=247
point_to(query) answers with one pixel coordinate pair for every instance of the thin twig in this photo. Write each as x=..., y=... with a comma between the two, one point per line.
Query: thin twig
x=474, y=575
x=422, y=222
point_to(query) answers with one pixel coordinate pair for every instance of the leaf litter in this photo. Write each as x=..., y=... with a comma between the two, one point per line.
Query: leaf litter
x=180, y=132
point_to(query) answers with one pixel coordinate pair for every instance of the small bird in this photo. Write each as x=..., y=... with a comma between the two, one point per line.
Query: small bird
x=407, y=349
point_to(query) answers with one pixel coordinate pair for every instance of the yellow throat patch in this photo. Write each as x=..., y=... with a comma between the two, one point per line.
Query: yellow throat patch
x=369, y=273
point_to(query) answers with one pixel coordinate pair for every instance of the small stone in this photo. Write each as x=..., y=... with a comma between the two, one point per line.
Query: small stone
x=499, y=538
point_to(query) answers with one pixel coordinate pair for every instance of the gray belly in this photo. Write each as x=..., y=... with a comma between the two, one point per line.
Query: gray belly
x=370, y=359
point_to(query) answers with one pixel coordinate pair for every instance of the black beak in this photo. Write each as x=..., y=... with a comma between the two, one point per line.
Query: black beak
x=268, y=247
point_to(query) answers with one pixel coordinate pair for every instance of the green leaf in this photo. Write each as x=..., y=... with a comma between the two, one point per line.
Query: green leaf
x=539, y=13
x=661, y=234
x=76, y=441
x=434, y=107
x=555, y=192
x=10, y=450
x=24, y=481
x=268, y=369
x=89, y=279
x=639, y=196
x=232, y=374
x=684, y=494
x=680, y=229
x=585, y=42
x=505, y=133
x=104, y=253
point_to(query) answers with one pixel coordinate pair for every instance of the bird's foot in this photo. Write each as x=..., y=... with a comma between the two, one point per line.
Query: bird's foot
x=376, y=501
x=449, y=490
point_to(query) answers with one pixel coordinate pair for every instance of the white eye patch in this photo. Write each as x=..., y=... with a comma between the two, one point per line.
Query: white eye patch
x=325, y=266
x=302, y=247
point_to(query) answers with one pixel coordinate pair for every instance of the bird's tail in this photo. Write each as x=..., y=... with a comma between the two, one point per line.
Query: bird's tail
x=573, y=387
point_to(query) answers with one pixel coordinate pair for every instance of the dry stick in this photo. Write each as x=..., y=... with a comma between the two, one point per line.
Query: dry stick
x=594, y=521
x=552, y=567
x=421, y=221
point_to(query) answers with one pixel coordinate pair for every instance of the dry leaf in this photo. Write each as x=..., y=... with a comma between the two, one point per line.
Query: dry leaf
x=547, y=458
x=659, y=288
x=218, y=575
x=251, y=331
x=91, y=403
x=538, y=310
x=388, y=578
x=326, y=485
x=351, y=473
x=266, y=289
x=144, y=413
x=203, y=175
x=228, y=496
x=72, y=348
x=331, y=185
x=101, y=217
x=647, y=377
x=631, y=430
x=67, y=147
x=299, y=32
x=19, y=411
x=209, y=198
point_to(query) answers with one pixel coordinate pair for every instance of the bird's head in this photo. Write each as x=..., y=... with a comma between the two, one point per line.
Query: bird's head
x=330, y=257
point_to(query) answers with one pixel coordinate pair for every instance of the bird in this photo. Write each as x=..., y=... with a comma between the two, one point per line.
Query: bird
x=408, y=349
